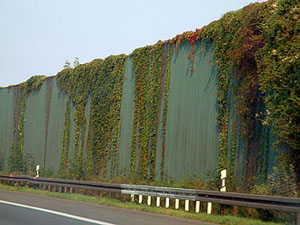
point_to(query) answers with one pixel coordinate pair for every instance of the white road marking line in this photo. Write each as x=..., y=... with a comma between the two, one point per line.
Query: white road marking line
x=57, y=213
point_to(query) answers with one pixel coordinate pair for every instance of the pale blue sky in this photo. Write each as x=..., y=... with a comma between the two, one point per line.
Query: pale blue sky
x=38, y=36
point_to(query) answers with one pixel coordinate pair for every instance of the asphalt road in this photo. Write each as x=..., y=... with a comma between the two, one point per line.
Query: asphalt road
x=11, y=214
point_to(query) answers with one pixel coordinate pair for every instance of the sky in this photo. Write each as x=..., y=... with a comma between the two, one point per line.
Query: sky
x=37, y=37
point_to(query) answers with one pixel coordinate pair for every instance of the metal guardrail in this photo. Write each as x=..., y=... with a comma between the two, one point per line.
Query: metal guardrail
x=103, y=187
x=286, y=204
x=227, y=198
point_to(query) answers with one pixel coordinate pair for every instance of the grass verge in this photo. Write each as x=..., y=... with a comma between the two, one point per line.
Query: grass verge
x=230, y=220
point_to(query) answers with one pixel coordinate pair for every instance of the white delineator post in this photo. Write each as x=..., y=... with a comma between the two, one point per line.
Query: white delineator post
x=197, y=209
x=167, y=202
x=157, y=201
x=187, y=205
x=209, y=205
x=149, y=200
x=176, y=203
x=223, y=188
x=37, y=171
x=223, y=178
x=140, y=199
x=132, y=197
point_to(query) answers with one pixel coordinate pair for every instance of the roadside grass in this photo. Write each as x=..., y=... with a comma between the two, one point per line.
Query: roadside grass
x=218, y=219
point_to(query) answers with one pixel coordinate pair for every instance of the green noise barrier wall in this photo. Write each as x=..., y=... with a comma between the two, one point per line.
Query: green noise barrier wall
x=192, y=135
x=190, y=106
x=6, y=123
x=191, y=142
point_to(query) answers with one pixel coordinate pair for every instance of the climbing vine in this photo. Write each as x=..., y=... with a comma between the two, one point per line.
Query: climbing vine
x=257, y=47
x=260, y=43
x=279, y=75
x=17, y=160
x=165, y=110
x=75, y=83
x=33, y=84
x=102, y=80
x=64, y=154
x=147, y=72
x=105, y=114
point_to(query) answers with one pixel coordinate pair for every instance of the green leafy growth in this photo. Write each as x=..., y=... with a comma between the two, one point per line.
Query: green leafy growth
x=77, y=84
x=17, y=160
x=104, y=128
x=165, y=111
x=16, y=156
x=64, y=155
x=147, y=72
x=102, y=81
x=260, y=43
x=33, y=83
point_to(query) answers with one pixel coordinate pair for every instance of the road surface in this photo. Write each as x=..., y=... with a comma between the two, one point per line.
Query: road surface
x=18, y=208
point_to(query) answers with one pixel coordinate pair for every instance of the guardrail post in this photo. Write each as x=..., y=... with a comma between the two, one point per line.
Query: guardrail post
x=223, y=177
x=157, y=201
x=132, y=197
x=249, y=212
x=49, y=187
x=235, y=210
x=95, y=193
x=140, y=199
x=59, y=189
x=209, y=206
x=176, y=203
x=187, y=205
x=197, y=209
x=149, y=200
x=167, y=202
x=297, y=218
x=124, y=197
x=223, y=188
x=37, y=170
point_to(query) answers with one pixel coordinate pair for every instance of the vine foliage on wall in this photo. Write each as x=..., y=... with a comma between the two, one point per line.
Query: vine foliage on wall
x=148, y=77
x=259, y=44
x=18, y=161
x=102, y=81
